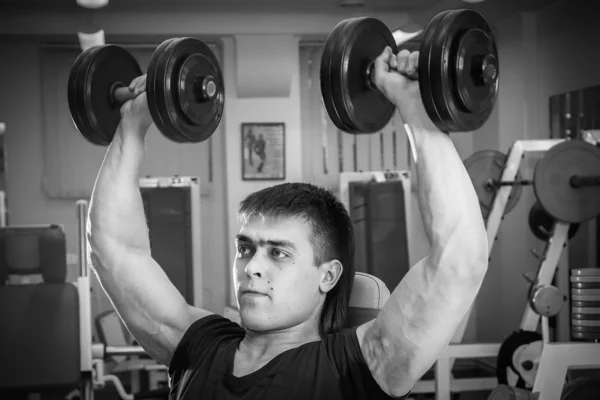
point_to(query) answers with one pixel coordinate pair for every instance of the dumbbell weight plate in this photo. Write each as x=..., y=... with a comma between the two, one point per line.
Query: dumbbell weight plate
x=151, y=84
x=175, y=105
x=329, y=86
x=425, y=55
x=370, y=111
x=94, y=113
x=353, y=105
x=83, y=98
x=73, y=101
x=462, y=40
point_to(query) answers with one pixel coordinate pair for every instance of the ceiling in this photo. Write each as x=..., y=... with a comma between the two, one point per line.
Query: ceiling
x=419, y=11
x=221, y=5
x=491, y=8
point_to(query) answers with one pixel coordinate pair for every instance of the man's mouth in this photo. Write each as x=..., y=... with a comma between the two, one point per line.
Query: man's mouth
x=253, y=293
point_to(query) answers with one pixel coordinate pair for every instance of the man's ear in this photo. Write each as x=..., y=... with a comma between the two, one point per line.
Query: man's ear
x=331, y=273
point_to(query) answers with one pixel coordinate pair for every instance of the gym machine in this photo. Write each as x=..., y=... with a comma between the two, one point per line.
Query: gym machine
x=544, y=299
x=379, y=204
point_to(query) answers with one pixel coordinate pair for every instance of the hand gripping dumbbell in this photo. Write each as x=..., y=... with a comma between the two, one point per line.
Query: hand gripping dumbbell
x=458, y=72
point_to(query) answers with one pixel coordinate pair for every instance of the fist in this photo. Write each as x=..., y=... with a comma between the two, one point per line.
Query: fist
x=135, y=114
x=396, y=76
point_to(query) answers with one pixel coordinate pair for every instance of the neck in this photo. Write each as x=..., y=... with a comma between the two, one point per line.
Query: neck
x=258, y=345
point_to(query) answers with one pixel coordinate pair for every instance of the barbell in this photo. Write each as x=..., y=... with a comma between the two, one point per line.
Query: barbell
x=566, y=182
x=184, y=89
x=457, y=73
x=485, y=168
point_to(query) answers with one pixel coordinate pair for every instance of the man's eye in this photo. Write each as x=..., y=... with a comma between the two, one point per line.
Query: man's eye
x=278, y=254
x=243, y=250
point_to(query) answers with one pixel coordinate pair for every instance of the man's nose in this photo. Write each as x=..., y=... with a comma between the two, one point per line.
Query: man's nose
x=255, y=266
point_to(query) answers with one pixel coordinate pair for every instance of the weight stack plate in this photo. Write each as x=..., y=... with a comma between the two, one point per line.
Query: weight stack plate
x=585, y=304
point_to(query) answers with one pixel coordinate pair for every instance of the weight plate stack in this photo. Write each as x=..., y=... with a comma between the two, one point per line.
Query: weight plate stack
x=585, y=304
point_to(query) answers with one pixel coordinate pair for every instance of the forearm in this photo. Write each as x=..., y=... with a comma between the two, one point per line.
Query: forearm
x=117, y=218
x=447, y=200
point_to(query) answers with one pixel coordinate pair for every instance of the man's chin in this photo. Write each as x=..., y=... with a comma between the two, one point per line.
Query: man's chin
x=255, y=319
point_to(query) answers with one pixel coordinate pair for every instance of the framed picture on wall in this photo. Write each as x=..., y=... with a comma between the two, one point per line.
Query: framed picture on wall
x=263, y=151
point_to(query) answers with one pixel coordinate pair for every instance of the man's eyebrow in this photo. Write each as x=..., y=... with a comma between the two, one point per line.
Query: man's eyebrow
x=264, y=242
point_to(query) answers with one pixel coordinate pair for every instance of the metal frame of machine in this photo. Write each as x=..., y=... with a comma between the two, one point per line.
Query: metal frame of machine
x=193, y=183
x=556, y=358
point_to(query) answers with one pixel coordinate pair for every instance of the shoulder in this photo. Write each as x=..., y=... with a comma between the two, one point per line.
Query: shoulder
x=205, y=335
x=346, y=353
x=346, y=358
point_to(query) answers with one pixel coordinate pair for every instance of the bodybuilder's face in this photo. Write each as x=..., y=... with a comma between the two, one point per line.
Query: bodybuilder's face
x=276, y=281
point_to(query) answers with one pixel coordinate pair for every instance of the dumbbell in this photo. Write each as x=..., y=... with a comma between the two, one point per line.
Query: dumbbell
x=458, y=72
x=184, y=90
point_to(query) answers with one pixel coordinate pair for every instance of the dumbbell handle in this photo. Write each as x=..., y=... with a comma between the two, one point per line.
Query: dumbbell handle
x=578, y=181
x=121, y=94
x=205, y=89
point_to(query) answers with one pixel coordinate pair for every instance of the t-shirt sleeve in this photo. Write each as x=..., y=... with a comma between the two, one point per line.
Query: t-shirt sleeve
x=202, y=339
x=351, y=367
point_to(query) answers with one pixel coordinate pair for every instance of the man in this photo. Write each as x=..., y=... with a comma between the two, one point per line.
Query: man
x=259, y=149
x=293, y=274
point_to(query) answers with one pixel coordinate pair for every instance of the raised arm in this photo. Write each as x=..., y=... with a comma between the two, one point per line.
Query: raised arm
x=151, y=307
x=425, y=309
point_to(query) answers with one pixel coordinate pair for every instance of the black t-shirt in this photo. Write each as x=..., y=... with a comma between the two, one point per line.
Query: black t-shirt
x=330, y=369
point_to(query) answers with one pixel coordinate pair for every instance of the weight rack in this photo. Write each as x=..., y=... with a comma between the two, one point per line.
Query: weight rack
x=556, y=356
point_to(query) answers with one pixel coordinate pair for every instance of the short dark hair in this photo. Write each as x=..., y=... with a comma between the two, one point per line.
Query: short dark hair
x=332, y=236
